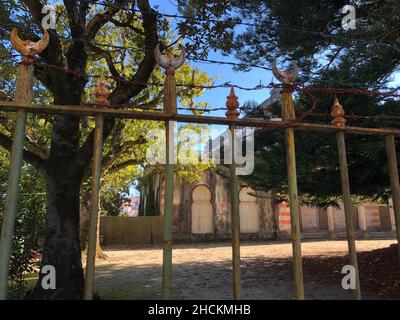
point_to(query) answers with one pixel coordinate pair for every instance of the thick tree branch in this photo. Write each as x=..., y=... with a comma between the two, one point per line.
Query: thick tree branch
x=107, y=56
x=119, y=166
x=100, y=19
x=153, y=103
x=115, y=154
x=29, y=156
x=124, y=92
x=127, y=24
x=52, y=79
x=75, y=19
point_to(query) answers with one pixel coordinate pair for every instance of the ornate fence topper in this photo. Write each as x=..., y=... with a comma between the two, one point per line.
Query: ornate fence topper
x=232, y=104
x=101, y=92
x=338, y=114
x=288, y=76
x=170, y=63
x=28, y=48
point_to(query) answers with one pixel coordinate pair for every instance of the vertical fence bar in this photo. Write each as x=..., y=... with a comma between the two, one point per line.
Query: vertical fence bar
x=294, y=214
x=287, y=78
x=10, y=209
x=101, y=93
x=232, y=113
x=94, y=208
x=168, y=215
x=169, y=63
x=340, y=121
x=394, y=183
x=23, y=95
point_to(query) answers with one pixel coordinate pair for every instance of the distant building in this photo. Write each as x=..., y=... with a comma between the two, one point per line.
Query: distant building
x=202, y=210
x=274, y=97
x=131, y=207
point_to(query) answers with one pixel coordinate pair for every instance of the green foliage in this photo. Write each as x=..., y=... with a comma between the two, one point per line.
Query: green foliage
x=112, y=199
x=310, y=33
x=28, y=226
x=317, y=156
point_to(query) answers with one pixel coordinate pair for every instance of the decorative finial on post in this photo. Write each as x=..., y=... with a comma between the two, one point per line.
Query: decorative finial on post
x=170, y=63
x=288, y=76
x=232, y=104
x=28, y=48
x=338, y=114
x=101, y=91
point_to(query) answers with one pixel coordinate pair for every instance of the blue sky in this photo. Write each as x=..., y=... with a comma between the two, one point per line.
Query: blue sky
x=216, y=98
x=225, y=73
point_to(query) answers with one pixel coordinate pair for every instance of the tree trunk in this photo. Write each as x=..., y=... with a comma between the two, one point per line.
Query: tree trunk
x=84, y=226
x=84, y=219
x=62, y=246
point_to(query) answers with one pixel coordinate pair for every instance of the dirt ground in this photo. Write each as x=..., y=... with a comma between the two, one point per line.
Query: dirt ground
x=203, y=271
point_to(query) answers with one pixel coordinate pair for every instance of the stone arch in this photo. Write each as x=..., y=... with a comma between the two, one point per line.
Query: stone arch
x=249, y=211
x=202, y=210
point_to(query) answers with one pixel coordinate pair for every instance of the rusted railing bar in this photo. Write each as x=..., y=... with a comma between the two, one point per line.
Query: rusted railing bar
x=94, y=208
x=287, y=109
x=394, y=183
x=23, y=96
x=101, y=93
x=169, y=63
x=158, y=116
x=232, y=113
x=339, y=120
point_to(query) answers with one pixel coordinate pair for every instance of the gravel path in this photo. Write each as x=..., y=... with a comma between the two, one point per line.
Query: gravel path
x=203, y=271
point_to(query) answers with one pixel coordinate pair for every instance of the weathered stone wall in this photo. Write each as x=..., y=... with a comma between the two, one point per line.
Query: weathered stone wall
x=269, y=220
x=220, y=200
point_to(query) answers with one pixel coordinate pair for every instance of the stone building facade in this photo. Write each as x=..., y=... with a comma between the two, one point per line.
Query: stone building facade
x=202, y=213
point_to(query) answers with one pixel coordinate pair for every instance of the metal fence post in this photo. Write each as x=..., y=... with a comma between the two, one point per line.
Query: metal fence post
x=169, y=63
x=340, y=121
x=287, y=78
x=101, y=93
x=23, y=95
x=232, y=114
x=394, y=183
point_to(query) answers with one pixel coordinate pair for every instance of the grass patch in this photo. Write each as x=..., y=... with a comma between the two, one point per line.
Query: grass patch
x=127, y=292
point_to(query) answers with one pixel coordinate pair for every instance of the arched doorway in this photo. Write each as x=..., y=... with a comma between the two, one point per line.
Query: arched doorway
x=249, y=212
x=202, y=211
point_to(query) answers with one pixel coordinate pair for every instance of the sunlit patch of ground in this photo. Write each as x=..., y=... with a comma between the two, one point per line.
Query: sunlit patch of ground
x=203, y=271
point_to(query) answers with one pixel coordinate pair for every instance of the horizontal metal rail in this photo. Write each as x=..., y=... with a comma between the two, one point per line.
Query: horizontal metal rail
x=79, y=110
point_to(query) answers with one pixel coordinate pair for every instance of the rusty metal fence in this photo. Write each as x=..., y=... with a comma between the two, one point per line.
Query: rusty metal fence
x=100, y=109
